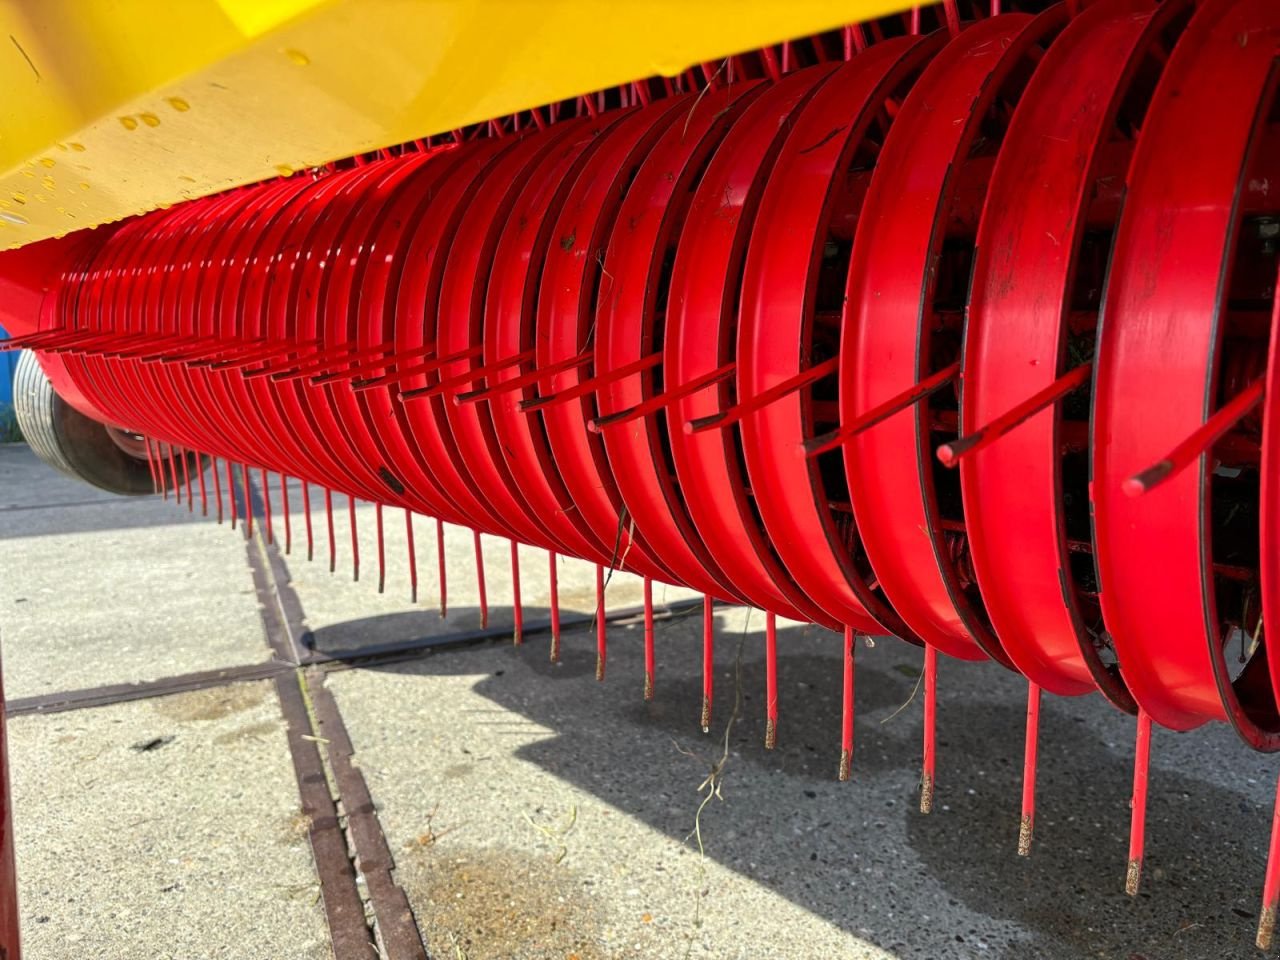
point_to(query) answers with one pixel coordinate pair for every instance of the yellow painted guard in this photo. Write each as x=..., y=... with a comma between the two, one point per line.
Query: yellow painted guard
x=115, y=107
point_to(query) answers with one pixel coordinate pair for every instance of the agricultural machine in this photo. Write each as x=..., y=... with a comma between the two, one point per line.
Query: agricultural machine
x=955, y=323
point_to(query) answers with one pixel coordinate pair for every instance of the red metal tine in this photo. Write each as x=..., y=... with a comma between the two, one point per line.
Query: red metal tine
x=204, y=493
x=203, y=352
x=408, y=373
x=333, y=539
x=151, y=465
x=770, y=680
x=33, y=341
x=173, y=468
x=248, y=501
x=650, y=655
x=928, y=778
x=846, y=713
x=733, y=414
x=217, y=486
x=284, y=510
x=664, y=399
x=382, y=361
x=250, y=353
x=1027, y=828
x=470, y=376
x=592, y=384
x=363, y=361
x=266, y=506
x=240, y=354
x=1271, y=885
x=484, y=599
x=1199, y=442
x=382, y=550
x=1138, y=814
x=176, y=349
x=444, y=595
x=306, y=518
x=554, y=579
x=173, y=475
x=10, y=941
x=708, y=663
x=231, y=494
x=517, y=609
x=413, y=558
x=882, y=411
x=291, y=367
x=602, y=638
x=382, y=358
x=186, y=480
x=355, y=539
x=951, y=452
x=524, y=380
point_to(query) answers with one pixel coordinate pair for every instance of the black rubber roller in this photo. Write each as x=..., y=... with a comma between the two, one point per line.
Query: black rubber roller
x=105, y=457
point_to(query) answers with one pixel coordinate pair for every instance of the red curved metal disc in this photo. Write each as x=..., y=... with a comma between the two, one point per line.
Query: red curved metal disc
x=510, y=311
x=461, y=326
x=416, y=319
x=566, y=320
x=628, y=329
x=705, y=278
x=418, y=483
x=1156, y=378
x=889, y=327
x=776, y=321
x=1015, y=343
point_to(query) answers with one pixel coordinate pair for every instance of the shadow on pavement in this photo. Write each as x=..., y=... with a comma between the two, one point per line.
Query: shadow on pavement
x=859, y=854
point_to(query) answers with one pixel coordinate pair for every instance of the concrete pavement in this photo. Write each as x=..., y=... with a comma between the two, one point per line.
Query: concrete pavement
x=534, y=813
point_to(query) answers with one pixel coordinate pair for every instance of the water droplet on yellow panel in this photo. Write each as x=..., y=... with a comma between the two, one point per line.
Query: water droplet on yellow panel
x=48, y=162
x=48, y=183
x=14, y=218
x=129, y=123
x=77, y=147
x=298, y=57
x=178, y=104
x=150, y=119
x=284, y=169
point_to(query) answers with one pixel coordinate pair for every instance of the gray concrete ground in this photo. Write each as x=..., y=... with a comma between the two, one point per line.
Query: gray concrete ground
x=535, y=813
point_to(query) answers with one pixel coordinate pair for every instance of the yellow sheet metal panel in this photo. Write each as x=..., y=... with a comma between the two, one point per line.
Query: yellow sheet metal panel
x=115, y=107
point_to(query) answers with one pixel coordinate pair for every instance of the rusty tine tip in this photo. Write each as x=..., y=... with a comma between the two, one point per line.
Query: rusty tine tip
x=770, y=734
x=648, y=687
x=705, y=721
x=1266, y=927
x=555, y=649
x=517, y=638
x=846, y=766
x=600, y=669
x=1024, y=837
x=926, y=794
x=1133, y=877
